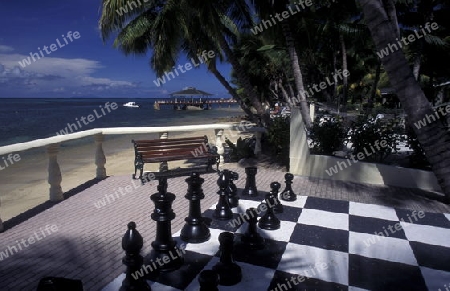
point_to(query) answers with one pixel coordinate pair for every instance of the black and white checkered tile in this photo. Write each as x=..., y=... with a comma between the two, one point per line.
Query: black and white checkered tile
x=327, y=244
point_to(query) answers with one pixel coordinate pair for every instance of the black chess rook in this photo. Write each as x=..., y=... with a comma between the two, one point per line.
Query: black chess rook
x=229, y=272
x=223, y=209
x=269, y=221
x=163, y=246
x=288, y=194
x=132, y=243
x=251, y=238
x=195, y=230
x=250, y=183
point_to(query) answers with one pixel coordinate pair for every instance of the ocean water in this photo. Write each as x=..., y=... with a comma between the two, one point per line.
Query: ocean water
x=23, y=120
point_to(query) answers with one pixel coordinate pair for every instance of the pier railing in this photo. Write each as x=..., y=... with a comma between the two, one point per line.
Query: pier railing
x=52, y=145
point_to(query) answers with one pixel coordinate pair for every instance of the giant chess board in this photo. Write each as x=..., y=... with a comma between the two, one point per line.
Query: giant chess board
x=325, y=244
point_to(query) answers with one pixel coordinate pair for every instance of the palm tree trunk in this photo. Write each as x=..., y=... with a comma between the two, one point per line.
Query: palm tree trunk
x=298, y=78
x=373, y=91
x=244, y=81
x=232, y=91
x=433, y=137
x=344, y=69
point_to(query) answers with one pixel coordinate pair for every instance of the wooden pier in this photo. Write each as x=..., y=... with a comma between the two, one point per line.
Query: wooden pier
x=192, y=104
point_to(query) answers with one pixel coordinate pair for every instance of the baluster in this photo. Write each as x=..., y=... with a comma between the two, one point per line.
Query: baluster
x=100, y=159
x=54, y=173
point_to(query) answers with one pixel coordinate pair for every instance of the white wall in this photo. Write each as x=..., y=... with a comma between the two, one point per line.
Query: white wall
x=304, y=164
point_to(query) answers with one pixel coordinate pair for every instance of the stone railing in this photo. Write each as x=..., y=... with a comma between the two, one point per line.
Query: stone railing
x=52, y=145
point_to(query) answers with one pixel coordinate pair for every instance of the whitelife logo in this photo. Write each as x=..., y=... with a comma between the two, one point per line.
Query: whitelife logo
x=411, y=38
x=11, y=159
x=53, y=47
x=72, y=127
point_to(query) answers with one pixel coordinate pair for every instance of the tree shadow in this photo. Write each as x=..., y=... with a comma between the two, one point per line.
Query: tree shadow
x=16, y=220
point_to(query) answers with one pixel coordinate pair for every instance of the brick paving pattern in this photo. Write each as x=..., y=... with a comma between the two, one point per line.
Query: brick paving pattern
x=87, y=243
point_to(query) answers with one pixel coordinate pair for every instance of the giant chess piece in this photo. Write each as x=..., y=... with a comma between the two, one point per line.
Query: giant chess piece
x=223, y=209
x=229, y=272
x=250, y=183
x=209, y=280
x=251, y=238
x=233, y=199
x=195, y=230
x=132, y=243
x=269, y=221
x=288, y=194
x=164, y=246
x=275, y=188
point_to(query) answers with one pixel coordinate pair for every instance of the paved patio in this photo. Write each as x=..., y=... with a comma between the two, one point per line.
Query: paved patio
x=83, y=237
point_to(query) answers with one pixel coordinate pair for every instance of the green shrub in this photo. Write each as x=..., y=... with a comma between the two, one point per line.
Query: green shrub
x=278, y=137
x=327, y=135
x=366, y=131
x=417, y=159
x=244, y=149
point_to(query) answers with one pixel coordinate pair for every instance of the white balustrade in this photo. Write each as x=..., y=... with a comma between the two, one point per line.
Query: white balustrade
x=52, y=145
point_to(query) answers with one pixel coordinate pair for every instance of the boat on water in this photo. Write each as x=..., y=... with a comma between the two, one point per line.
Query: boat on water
x=131, y=104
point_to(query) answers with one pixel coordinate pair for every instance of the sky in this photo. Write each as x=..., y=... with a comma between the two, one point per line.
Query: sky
x=81, y=65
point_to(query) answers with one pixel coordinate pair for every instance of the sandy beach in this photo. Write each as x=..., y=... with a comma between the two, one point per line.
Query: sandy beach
x=24, y=184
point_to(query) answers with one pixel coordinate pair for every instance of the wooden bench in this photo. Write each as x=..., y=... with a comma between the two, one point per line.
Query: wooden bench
x=165, y=150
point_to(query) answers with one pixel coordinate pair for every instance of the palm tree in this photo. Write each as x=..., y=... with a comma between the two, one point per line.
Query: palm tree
x=382, y=22
x=169, y=27
x=265, y=9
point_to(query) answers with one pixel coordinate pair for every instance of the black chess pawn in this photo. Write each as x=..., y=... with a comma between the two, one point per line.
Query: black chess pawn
x=250, y=183
x=233, y=199
x=288, y=194
x=195, y=230
x=251, y=238
x=275, y=188
x=164, y=247
x=269, y=221
x=223, y=209
x=209, y=280
x=132, y=243
x=229, y=272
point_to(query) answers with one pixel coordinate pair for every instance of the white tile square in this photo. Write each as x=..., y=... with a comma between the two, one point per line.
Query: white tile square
x=372, y=210
x=447, y=215
x=427, y=234
x=299, y=203
x=312, y=262
x=324, y=218
x=352, y=288
x=282, y=234
x=436, y=279
x=380, y=247
x=249, y=280
x=209, y=247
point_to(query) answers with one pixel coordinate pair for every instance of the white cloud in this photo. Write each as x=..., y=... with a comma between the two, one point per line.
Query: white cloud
x=5, y=49
x=57, y=75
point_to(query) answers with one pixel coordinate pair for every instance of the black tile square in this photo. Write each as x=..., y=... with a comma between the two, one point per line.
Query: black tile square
x=426, y=218
x=294, y=282
x=324, y=238
x=268, y=257
x=327, y=205
x=370, y=225
x=379, y=275
x=289, y=213
x=194, y=263
x=431, y=256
